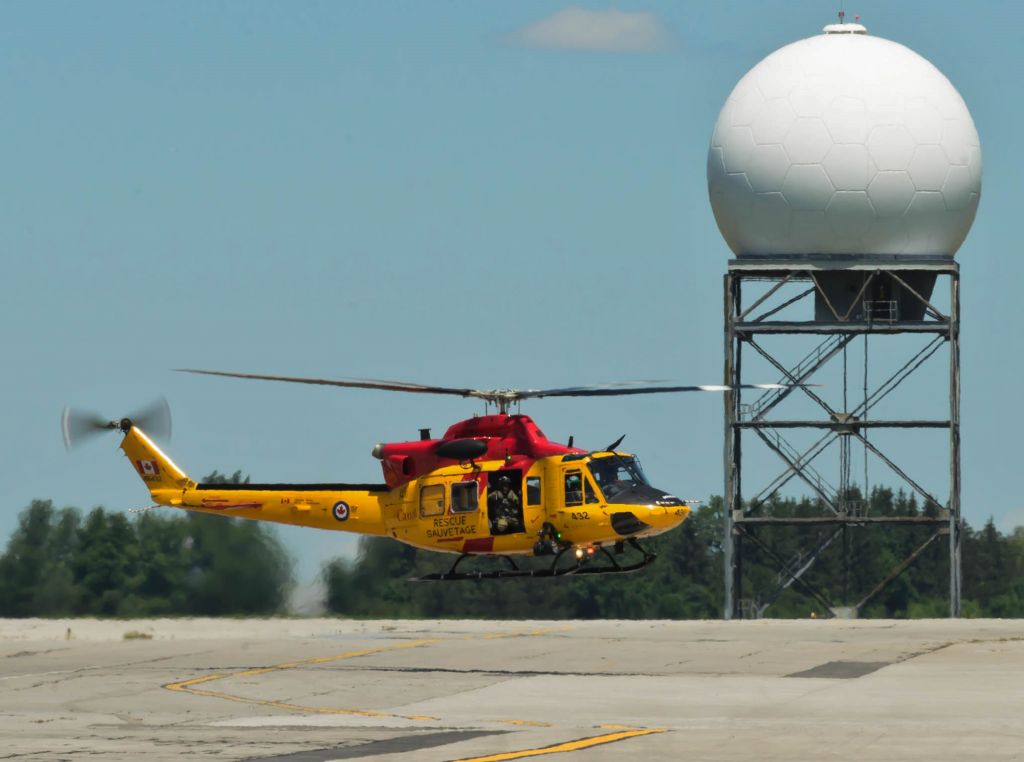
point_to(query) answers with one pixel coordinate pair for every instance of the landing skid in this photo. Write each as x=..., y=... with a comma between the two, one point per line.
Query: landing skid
x=581, y=567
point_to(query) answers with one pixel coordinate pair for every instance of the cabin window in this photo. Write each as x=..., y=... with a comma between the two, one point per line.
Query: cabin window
x=465, y=497
x=573, y=488
x=589, y=493
x=432, y=500
x=533, y=490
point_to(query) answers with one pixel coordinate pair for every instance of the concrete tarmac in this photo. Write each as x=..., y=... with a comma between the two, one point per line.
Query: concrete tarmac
x=324, y=689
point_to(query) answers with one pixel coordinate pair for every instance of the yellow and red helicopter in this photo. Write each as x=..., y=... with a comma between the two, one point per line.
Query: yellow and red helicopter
x=492, y=485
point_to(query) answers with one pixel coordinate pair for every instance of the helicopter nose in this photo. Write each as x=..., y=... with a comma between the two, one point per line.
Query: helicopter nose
x=678, y=514
x=669, y=515
x=648, y=511
x=667, y=511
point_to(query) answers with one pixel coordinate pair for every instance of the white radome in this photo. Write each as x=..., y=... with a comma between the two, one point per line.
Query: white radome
x=844, y=143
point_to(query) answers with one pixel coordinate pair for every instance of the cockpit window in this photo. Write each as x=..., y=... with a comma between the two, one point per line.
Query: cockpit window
x=579, y=489
x=573, y=488
x=617, y=473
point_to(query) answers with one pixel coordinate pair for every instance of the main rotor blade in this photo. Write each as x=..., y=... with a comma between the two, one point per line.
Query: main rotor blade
x=605, y=391
x=351, y=383
x=502, y=396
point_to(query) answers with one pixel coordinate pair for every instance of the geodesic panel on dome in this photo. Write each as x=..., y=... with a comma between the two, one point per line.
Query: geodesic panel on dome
x=844, y=144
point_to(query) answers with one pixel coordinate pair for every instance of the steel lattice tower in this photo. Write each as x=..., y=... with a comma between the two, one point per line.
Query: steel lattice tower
x=870, y=297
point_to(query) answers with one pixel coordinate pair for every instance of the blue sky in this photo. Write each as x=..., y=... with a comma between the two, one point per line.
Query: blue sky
x=434, y=192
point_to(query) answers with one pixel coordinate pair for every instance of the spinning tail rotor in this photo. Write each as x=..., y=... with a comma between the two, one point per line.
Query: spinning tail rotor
x=80, y=426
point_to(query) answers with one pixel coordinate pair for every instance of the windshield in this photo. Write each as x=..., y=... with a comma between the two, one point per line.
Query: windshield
x=617, y=473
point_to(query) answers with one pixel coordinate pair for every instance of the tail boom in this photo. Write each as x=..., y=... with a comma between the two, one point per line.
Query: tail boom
x=341, y=507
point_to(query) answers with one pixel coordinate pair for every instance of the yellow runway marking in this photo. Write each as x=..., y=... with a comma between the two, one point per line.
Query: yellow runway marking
x=192, y=686
x=561, y=748
x=189, y=686
x=519, y=633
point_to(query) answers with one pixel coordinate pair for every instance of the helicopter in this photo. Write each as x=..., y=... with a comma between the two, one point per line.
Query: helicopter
x=492, y=486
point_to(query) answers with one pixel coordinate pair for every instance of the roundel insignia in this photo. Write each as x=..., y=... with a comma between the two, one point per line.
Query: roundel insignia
x=341, y=510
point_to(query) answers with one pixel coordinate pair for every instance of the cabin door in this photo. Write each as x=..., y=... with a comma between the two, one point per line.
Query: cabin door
x=449, y=512
x=505, y=501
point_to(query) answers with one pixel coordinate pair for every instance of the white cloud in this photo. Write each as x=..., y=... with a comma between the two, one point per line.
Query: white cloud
x=609, y=31
x=1010, y=520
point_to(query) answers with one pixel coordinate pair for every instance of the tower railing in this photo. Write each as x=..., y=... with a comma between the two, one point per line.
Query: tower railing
x=800, y=374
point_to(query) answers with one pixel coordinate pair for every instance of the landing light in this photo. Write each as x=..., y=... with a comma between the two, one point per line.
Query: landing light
x=579, y=552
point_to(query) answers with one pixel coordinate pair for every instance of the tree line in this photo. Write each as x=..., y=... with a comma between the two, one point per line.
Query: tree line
x=59, y=562
x=687, y=581
x=63, y=562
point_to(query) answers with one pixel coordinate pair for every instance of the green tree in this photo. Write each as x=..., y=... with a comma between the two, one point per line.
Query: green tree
x=234, y=566
x=216, y=477
x=166, y=563
x=687, y=580
x=34, y=552
x=683, y=584
x=105, y=559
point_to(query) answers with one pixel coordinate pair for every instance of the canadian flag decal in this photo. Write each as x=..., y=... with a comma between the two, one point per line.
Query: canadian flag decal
x=148, y=467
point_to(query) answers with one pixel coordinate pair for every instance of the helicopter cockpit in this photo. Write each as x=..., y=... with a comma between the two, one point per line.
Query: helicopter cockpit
x=621, y=480
x=616, y=473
